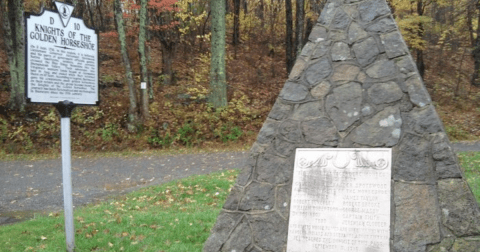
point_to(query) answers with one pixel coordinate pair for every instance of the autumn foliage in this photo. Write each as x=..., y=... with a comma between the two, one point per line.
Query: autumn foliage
x=179, y=42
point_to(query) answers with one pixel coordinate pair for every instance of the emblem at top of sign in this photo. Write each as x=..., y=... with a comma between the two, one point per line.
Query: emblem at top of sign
x=65, y=11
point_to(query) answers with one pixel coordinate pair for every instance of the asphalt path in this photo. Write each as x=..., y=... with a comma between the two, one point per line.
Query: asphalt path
x=30, y=187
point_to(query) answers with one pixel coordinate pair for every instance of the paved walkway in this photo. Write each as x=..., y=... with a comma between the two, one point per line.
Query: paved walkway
x=27, y=187
x=466, y=146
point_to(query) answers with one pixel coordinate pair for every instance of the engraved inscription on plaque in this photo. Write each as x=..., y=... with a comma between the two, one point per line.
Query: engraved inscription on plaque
x=340, y=201
x=62, y=61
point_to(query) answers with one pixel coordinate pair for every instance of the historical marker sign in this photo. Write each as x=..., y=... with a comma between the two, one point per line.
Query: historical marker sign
x=61, y=58
x=61, y=69
x=340, y=201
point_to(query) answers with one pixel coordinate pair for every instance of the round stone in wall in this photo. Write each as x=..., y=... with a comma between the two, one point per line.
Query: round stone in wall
x=385, y=93
x=340, y=52
x=393, y=44
x=291, y=131
x=340, y=21
x=319, y=131
x=344, y=73
x=294, y=92
x=370, y=10
x=366, y=51
x=318, y=71
x=381, y=69
x=355, y=33
x=320, y=50
x=297, y=69
x=344, y=105
x=384, y=129
x=321, y=90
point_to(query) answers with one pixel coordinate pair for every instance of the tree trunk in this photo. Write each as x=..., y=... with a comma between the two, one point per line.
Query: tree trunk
x=308, y=30
x=289, y=35
x=149, y=57
x=236, y=22
x=168, y=51
x=299, y=22
x=476, y=52
x=459, y=74
x=142, y=38
x=100, y=15
x=420, y=63
x=132, y=111
x=79, y=7
x=218, y=82
x=90, y=12
x=261, y=14
x=421, y=32
x=273, y=19
x=470, y=12
x=13, y=25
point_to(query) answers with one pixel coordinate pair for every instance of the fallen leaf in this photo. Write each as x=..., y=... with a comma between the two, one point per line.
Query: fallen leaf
x=56, y=214
x=43, y=237
x=110, y=244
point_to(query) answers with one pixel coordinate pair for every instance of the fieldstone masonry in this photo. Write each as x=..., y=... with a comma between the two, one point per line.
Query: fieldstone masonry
x=355, y=85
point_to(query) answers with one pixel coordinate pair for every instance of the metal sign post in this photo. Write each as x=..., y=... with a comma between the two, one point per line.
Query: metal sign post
x=65, y=108
x=61, y=69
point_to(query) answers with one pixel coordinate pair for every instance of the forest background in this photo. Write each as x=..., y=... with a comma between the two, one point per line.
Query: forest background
x=262, y=39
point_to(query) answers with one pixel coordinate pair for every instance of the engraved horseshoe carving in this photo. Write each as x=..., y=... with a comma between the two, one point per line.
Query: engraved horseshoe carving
x=341, y=165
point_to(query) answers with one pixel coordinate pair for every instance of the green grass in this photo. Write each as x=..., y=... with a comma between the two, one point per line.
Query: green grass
x=173, y=217
x=176, y=217
x=470, y=163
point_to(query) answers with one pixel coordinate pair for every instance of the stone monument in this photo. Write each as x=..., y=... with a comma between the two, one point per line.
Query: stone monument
x=355, y=86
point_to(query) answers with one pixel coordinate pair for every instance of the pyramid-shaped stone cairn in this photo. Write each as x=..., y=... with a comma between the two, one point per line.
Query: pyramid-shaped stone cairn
x=355, y=85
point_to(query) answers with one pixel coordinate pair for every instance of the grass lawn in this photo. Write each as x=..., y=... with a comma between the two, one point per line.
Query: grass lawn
x=470, y=163
x=176, y=217
x=173, y=217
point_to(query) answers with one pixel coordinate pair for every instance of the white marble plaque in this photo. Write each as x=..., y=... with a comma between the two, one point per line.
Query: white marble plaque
x=340, y=201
